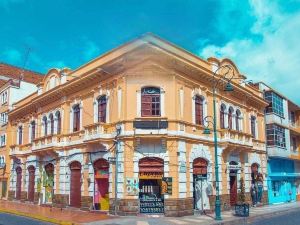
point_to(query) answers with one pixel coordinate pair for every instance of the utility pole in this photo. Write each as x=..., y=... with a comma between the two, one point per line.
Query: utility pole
x=117, y=142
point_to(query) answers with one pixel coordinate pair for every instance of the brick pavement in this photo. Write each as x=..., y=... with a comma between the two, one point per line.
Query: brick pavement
x=50, y=214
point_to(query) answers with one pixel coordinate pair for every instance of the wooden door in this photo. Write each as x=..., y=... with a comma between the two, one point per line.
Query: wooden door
x=31, y=171
x=19, y=183
x=233, y=190
x=75, y=189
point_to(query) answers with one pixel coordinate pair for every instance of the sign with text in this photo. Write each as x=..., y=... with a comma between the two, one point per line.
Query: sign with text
x=150, y=124
x=132, y=186
x=166, y=185
x=150, y=175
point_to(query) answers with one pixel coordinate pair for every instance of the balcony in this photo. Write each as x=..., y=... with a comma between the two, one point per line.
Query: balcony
x=236, y=137
x=294, y=126
x=274, y=151
x=98, y=130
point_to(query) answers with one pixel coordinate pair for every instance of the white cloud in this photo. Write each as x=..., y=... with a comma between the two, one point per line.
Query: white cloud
x=274, y=57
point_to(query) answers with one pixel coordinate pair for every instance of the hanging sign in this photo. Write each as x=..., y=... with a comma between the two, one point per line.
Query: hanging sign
x=166, y=185
x=150, y=175
x=132, y=186
x=234, y=167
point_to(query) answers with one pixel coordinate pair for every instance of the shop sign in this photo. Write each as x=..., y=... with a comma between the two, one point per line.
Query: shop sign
x=150, y=175
x=153, y=205
x=233, y=167
x=112, y=159
x=132, y=186
x=101, y=174
x=150, y=124
x=166, y=185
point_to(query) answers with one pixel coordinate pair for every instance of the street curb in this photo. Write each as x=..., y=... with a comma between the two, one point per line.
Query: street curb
x=37, y=217
x=244, y=220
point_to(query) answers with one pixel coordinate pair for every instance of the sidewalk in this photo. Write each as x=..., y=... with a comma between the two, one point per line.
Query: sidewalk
x=227, y=217
x=52, y=215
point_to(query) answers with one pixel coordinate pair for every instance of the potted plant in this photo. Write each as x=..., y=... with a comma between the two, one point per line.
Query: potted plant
x=242, y=208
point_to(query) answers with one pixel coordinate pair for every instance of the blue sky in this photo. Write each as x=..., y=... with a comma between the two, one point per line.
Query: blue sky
x=260, y=36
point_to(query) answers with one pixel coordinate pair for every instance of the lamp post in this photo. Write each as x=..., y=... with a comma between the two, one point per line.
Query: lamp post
x=228, y=88
x=117, y=142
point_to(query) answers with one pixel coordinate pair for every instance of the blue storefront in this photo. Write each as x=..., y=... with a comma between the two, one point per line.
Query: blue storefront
x=281, y=180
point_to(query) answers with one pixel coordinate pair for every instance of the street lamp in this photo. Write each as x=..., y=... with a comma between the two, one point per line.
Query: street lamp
x=228, y=88
x=117, y=142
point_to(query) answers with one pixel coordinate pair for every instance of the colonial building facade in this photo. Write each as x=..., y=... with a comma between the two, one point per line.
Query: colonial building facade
x=283, y=139
x=140, y=106
x=15, y=84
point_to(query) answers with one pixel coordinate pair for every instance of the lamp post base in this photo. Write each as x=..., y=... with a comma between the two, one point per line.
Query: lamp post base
x=218, y=209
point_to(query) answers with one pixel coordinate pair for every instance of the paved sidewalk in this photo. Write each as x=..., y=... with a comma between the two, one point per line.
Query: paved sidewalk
x=49, y=214
x=228, y=217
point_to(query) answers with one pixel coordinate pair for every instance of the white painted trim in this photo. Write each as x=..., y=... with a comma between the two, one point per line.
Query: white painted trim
x=119, y=103
x=138, y=103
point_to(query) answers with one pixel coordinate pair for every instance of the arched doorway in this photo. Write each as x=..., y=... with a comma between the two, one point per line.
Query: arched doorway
x=75, y=184
x=19, y=182
x=200, y=184
x=151, y=171
x=101, y=195
x=48, y=182
x=233, y=168
x=31, y=181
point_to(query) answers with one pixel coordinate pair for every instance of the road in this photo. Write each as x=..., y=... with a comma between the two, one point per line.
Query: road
x=8, y=219
x=289, y=218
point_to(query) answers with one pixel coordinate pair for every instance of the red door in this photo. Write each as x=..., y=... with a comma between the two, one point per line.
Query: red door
x=19, y=183
x=233, y=190
x=75, y=190
x=31, y=171
x=101, y=198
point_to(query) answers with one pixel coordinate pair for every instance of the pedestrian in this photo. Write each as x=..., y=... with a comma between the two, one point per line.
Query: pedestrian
x=260, y=186
x=253, y=195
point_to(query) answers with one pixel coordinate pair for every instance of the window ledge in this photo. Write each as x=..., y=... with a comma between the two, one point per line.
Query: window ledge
x=151, y=118
x=272, y=113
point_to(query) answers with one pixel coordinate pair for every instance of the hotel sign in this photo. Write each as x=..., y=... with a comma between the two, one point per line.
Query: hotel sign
x=150, y=124
x=150, y=175
x=234, y=167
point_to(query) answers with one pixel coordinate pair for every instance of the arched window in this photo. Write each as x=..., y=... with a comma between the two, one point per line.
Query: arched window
x=58, y=120
x=199, y=109
x=237, y=119
x=253, y=126
x=102, y=109
x=20, y=132
x=51, y=124
x=32, y=130
x=45, y=125
x=150, y=101
x=230, y=112
x=76, y=118
x=222, y=116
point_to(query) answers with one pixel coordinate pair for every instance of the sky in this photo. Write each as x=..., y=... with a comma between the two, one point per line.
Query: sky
x=260, y=36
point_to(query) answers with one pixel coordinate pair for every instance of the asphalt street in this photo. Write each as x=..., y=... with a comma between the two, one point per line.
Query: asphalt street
x=289, y=218
x=8, y=219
